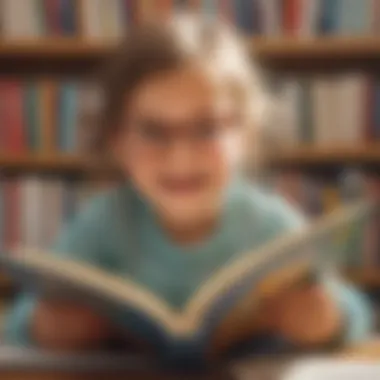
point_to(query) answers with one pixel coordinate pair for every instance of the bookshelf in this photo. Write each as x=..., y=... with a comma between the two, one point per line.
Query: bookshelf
x=282, y=48
x=307, y=155
x=303, y=155
x=35, y=162
x=78, y=55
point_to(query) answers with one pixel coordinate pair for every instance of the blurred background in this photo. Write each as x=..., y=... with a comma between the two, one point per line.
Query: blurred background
x=320, y=59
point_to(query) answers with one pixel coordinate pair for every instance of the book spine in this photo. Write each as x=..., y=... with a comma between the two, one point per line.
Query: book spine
x=14, y=117
x=12, y=214
x=291, y=17
x=68, y=17
x=48, y=97
x=2, y=216
x=376, y=132
x=3, y=130
x=31, y=106
x=330, y=16
x=52, y=15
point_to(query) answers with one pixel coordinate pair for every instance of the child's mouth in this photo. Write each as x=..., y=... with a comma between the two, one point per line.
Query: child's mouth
x=183, y=186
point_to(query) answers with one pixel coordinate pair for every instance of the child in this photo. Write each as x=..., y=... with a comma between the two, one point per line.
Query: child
x=181, y=103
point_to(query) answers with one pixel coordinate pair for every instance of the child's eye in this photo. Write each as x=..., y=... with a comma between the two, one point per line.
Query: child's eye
x=150, y=131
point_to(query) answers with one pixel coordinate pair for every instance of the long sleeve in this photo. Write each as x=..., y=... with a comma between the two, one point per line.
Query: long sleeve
x=81, y=240
x=356, y=309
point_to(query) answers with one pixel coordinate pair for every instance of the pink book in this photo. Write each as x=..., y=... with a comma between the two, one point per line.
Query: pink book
x=14, y=117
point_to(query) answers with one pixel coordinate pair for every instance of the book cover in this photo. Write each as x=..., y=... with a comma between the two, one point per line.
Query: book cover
x=2, y=215
x=3, y=131
x=67, y=116
x=271, y=17
x=350, y=102
x=48, y=115
x=188, y=333
x=355, y=17
x=310, y=14
x=13, y=117
x=31, y=107
x=306, y=111
x=31, y=209
x=51, y=11
x=11, y=191
x=91, y=20
x=329, y=17
x=291, y=17
x=376, y=131
x=68, y=17
x=21, y=19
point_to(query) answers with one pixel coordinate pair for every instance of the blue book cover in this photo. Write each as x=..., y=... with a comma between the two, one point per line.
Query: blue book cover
x=68, y=17
x=67, y=110
x=180, y=335
x=246, y=16
x=329, y=16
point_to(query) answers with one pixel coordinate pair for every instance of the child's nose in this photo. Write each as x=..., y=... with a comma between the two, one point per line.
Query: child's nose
x=180, y=153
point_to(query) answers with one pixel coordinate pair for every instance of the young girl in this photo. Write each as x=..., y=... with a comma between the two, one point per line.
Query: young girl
x=182, y=105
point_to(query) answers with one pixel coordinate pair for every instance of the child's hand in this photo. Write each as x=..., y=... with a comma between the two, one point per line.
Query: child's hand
x=307, y=317
x=66, y=326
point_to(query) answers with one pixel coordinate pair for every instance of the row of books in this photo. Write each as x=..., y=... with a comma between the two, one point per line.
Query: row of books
x=343, y=108
x=34, y=209
x=100, y=19
x=317, y=194
x=45, y=116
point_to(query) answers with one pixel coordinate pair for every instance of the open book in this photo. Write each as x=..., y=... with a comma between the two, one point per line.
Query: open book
x=238, y=286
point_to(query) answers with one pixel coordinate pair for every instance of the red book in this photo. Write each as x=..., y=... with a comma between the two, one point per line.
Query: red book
x=14, y=117
x=3, y=136
x=291, y=16
x=52, y=19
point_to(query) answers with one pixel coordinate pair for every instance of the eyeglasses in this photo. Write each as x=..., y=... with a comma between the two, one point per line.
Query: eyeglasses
x=156, y=135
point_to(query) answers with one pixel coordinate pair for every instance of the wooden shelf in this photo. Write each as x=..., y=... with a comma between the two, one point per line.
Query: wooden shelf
x=269, y=48
x=30, y=162
x=315, y=48
x=53, y=48
x=312, y=155
x=303, y=155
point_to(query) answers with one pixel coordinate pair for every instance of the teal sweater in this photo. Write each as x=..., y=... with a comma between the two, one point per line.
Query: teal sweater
x=117, y=232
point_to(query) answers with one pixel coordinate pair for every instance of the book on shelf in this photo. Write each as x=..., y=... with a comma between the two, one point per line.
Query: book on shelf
x=338, y=110
x=98, y=20
x=46, y=116
x=232, y=291
x=23, y=204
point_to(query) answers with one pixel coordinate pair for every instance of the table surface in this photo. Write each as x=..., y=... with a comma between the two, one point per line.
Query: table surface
x=366, y=352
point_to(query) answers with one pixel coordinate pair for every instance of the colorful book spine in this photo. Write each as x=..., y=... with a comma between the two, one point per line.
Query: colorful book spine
x=23, y=204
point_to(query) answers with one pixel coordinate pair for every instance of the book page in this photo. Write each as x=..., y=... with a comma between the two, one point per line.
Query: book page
x=250, y=264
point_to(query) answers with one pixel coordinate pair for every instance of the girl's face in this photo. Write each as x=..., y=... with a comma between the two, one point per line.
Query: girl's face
x=179, y=142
